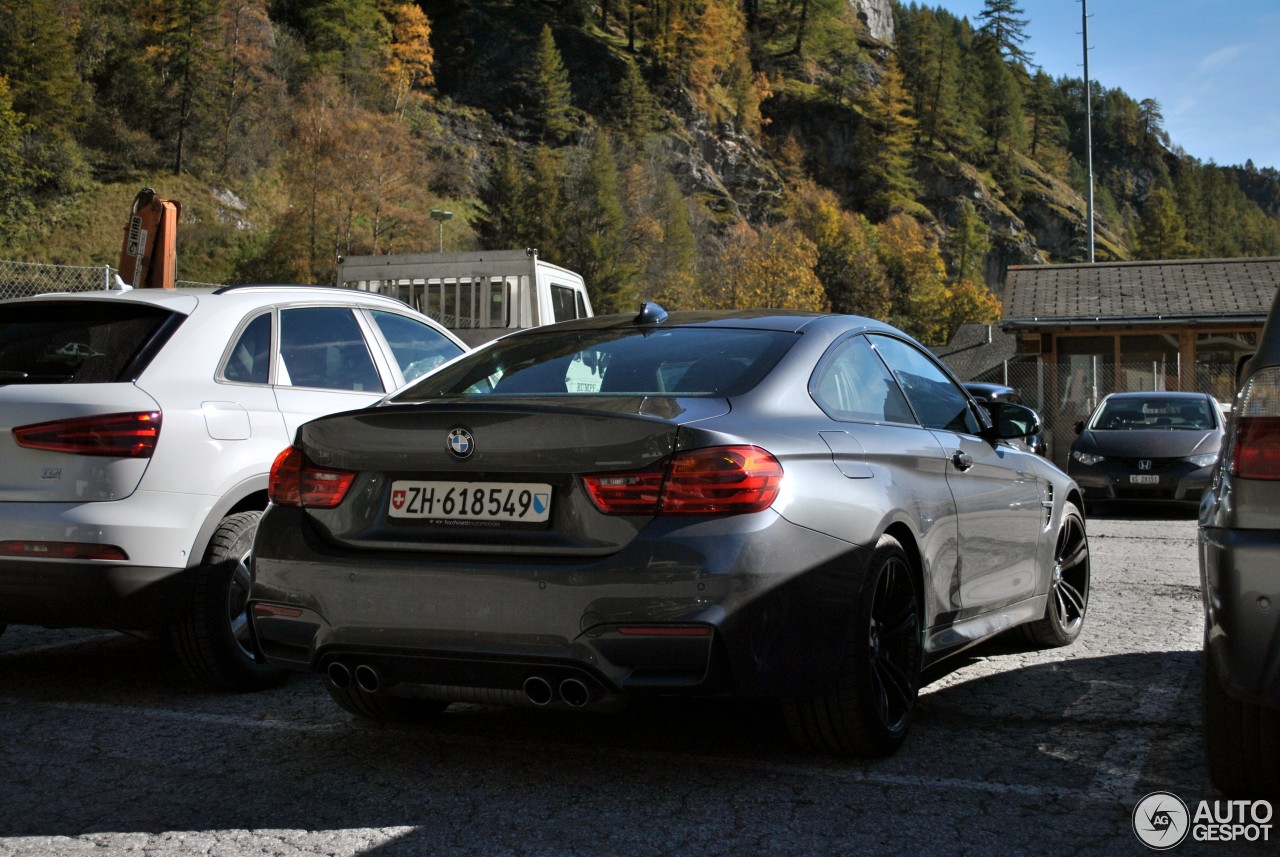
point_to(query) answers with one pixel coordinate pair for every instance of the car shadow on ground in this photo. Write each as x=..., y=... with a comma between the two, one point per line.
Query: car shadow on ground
x=137, y=747
x=1145, y=510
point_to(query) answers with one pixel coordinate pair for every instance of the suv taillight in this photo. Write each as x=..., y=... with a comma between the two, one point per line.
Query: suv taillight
x=117, y=435
x=718, y=480
x=295, y=481
x=1254, y=449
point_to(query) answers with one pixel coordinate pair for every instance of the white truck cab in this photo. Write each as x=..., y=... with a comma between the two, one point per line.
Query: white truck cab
x=479, y=296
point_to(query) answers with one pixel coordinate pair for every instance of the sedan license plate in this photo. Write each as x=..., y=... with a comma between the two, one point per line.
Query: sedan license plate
x=520, y=502
x=1140, y=479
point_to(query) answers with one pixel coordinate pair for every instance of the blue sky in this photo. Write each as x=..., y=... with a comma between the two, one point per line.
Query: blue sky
x=1214, y=67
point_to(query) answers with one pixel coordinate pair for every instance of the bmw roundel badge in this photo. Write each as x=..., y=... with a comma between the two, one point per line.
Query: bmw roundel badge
x=461, y=444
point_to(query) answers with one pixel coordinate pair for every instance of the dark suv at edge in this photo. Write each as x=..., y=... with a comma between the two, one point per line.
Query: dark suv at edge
x=1239, y=547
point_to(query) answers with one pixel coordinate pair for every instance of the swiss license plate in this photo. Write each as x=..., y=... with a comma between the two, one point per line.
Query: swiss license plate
x=522, y=502
x=1143, y=479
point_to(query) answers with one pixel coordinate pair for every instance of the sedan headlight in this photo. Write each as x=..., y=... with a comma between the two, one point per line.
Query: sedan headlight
x=1202, y=460
x=1086, y=458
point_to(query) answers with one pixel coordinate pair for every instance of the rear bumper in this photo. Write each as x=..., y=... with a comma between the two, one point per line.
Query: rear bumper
x=157, y=531
x=748, y=605
x=1240, y=580
x=91, y=594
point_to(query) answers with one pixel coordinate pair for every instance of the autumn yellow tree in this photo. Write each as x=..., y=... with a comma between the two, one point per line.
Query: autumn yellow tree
x=847, y=264
x=409, y=54
x=917, y=279
x=771, y=268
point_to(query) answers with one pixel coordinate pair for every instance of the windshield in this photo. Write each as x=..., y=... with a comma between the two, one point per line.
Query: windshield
x=1155, y=413
x=692, y=361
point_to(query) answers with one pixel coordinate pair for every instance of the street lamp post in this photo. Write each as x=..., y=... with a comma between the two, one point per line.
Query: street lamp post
x=440, y=217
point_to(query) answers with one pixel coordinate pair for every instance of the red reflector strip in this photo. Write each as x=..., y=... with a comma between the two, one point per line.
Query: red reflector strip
x=118, y=435
x=665, y=631
x=61, y=550
x=273, y=610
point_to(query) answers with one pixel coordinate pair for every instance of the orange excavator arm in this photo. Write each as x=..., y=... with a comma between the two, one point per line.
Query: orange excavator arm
x=148, y=257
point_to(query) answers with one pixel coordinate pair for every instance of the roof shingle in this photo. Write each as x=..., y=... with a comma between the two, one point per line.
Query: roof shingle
x=1141, y=291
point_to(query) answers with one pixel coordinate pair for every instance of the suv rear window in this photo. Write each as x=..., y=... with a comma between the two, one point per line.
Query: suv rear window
x=58, y=342
x=677, y=361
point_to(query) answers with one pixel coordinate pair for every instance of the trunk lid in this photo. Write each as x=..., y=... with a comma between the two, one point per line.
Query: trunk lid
x=447, y=452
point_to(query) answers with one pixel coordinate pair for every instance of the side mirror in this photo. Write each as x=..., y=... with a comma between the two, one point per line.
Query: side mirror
x=1012, y=421
x=1079, y=427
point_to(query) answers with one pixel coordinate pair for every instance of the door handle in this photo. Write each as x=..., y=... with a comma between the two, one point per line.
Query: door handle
x=962, y=460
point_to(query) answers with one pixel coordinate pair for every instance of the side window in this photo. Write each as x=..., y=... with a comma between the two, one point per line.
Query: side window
x=563, y=305
x=323, y=347
x=937, y=401
x=249, y=361
x=418, y=348
x=853, y=384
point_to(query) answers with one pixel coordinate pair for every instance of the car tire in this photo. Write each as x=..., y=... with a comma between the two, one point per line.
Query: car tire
x=380, y=706
x=213, y=639
x=1068, y=602
x=1241, y=741
x=868, y=713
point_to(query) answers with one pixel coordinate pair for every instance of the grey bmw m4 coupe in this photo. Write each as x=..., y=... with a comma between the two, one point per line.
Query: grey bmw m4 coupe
x=799, y=506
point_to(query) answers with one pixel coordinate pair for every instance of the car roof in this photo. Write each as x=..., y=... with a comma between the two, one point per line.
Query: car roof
x=756, y=319
x=264, y=293
x=1158, y=394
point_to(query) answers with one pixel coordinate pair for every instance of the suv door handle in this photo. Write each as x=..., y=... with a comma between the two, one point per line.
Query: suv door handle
x=962, y=460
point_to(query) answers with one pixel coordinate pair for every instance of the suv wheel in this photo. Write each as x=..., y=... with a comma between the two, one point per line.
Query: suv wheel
x=1241, y=741
x=213, y=639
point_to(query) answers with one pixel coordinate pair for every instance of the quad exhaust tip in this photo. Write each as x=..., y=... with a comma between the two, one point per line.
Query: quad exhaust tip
x=339, y=675
x=573, y=692
x=538, y=690
x=363, y=676
x=367, y=678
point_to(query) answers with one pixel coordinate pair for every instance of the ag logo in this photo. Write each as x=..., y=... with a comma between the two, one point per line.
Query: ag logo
x=1161, y=820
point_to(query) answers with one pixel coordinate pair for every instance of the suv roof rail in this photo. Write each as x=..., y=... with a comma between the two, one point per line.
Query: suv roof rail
x=236, y=287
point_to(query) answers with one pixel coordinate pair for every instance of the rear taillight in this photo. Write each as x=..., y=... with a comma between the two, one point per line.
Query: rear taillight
x=1254, y=448
x=295, y=481
x=117, y=435
x=718, y=480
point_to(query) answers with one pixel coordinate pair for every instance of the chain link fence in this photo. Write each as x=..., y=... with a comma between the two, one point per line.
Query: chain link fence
x=20, y=279
x=1065, y=393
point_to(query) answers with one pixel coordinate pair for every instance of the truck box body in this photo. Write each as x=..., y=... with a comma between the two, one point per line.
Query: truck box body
x=479, y=296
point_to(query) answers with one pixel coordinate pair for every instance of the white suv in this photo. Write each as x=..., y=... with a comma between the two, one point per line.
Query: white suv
x=137, y=432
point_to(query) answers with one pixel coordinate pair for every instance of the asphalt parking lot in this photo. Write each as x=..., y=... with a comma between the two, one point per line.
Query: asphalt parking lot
x=108, y=749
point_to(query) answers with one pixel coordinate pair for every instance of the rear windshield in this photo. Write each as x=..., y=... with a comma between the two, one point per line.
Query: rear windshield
x=674, y=362
x=59, y=342
x=1155, y=413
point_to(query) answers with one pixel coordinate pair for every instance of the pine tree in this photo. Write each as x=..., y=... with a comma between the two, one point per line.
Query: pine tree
x=1002, y=22
x=634, y=108
x=592, y=240
x=549, y=89
x=884, y=142
x=501, y=201
x=1162, y=233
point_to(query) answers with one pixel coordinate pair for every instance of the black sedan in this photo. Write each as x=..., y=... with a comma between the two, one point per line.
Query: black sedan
x=1148, y=446
x=774, y=504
